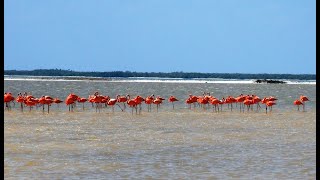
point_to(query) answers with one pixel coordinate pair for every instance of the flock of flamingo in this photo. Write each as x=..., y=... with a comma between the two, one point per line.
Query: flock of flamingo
x=98, y=101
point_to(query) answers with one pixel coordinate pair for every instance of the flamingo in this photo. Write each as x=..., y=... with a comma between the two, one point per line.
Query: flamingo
x=215, y=102
x=248, y=103
x=48, y=101
x=97, y=99
x=112, y=102
x=172, y=99
x=297, y=103
x=20, y=99
x=157, y=101
x=240, y=100
x=70, y=100
x=90, y=99
x=82, y=100
x=30, y=103
x=139, y=100
x=256, y=100
x=122, y=99
x=222, y=101
x=7, y=99
x=230, y=100
x=264, y=101
x=189, y=101
x=271, y=98
x=42, y=101
x=193, y=99
x=149, y=101
x=303, y=99
x=104, y=100
x=132, y=103
x=207, y=97
x=57, y=101
x=202, y=101
x=270, y=104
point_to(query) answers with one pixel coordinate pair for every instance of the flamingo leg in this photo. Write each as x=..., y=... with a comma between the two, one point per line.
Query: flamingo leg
x=120, y=107
x=266, y=109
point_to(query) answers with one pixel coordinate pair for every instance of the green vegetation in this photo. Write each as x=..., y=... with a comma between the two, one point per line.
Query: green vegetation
x=60, y=72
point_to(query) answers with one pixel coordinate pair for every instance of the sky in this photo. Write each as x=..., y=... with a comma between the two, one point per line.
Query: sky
x=210, y=36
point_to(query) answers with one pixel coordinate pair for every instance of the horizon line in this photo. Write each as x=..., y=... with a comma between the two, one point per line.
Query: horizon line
x=56, y=69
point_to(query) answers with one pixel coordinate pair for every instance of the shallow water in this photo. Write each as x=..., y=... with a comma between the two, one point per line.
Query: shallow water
x=170, y=144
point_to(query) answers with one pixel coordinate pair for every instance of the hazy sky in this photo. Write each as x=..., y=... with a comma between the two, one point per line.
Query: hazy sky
x=218, y=36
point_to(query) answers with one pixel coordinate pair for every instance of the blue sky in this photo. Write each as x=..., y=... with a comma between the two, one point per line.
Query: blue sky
x=218, y=36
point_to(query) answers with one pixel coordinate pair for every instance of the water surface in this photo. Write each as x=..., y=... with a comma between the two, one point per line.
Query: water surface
x=170, y=144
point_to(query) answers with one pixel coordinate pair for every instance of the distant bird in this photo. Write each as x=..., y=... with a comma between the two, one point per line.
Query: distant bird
x=20, y=99
x=297, y=103
x=132, y=103
x=82, y=100
x=172, y=99
x=270, y=104
x=149, y=101
x=303, y=99
x=122, y=99
x=158, y=101
x=7, y=99
x=215, y=102
x=111, y=103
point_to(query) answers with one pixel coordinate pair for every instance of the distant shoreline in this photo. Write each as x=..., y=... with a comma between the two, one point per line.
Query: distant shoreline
x=128, y=74
x=150, y=80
